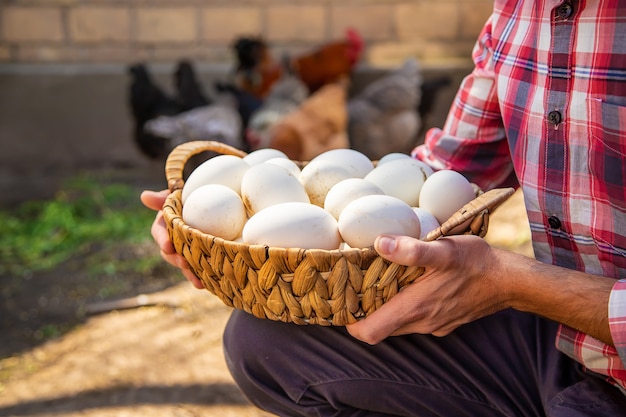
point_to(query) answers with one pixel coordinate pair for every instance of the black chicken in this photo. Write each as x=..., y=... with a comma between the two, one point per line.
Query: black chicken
x=255, y=71
x=148, y=101
x=190, y=93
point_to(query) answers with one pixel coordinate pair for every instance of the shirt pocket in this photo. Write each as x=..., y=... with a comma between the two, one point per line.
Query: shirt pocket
x=607, y=166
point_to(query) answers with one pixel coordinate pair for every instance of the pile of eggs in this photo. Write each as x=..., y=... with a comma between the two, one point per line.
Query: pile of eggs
x=338, y=200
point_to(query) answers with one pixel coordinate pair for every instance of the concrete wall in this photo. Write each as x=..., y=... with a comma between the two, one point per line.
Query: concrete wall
x=105, y=31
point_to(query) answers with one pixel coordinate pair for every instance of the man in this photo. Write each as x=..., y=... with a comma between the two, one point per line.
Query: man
x=485, y=332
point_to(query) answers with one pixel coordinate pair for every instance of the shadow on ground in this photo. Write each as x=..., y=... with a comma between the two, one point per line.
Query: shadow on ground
x=130, y=396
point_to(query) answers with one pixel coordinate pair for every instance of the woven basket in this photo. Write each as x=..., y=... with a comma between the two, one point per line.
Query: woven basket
x=312, y=286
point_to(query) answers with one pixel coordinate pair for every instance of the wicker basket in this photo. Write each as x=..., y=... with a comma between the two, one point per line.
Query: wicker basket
x=324, y=287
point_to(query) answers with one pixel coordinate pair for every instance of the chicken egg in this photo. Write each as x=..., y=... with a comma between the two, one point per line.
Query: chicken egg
x=357, y=163
x=227, y=170
x=264, y=185
x=261, y=155
x=392, y=156
x=346, y=191
x=402, y=178
x=215, y=209
x=293, y=225
x=444, y=193
x=428, y=222
x=286, y=163
x=365, y=218
x=319, y=176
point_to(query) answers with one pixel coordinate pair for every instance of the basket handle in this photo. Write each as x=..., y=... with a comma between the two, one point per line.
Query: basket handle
x=178, y=157
x=476, y=209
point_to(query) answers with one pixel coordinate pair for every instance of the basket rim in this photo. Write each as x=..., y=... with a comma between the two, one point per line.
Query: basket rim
x=177, y=220
x=177, y=158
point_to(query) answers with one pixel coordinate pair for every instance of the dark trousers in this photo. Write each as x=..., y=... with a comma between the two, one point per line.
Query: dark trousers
x=503, y=365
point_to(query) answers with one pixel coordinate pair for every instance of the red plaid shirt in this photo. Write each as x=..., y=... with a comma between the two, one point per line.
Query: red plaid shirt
x=546, y=106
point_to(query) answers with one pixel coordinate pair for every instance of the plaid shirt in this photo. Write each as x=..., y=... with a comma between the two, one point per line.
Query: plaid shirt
x=545, y=106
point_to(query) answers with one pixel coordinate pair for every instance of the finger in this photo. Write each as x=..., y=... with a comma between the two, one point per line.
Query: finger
x=154, y=199
x=193, y=279
x=363, y=333
x=160, y=234
x=405, y=250
x=175, y=259
x=179, y=262
x=388, y=319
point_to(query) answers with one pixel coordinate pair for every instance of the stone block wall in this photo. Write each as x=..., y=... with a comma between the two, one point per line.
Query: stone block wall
x=121, y=31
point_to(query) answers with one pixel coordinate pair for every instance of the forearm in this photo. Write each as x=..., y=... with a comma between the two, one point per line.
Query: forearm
x=576, y=299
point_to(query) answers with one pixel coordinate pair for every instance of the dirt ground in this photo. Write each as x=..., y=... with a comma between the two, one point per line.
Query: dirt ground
x=162, y=357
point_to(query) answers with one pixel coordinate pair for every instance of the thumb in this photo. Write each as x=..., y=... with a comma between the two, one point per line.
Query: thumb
x=405, y=250
x=154, y=199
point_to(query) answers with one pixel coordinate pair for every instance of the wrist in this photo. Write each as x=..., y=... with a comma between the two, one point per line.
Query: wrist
x=574, y=298
x=512, y=276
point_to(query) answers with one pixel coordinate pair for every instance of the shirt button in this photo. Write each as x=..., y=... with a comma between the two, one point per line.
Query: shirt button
x=554, y=117
x=554, y=222
x=564, y=10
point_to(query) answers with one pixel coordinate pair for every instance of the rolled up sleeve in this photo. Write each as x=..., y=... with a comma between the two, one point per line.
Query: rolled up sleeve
x=617, y=318
x=473, y=139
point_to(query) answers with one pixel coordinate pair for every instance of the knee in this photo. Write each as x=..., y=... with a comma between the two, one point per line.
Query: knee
x=252, y=349
x=242, y=342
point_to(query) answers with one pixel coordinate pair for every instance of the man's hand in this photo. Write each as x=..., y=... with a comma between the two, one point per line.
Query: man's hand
x=154, y=200
x=466, y=279
x=461, y=283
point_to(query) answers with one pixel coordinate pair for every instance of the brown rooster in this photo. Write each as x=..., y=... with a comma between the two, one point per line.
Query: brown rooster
x=329, y=63
x=257, y=70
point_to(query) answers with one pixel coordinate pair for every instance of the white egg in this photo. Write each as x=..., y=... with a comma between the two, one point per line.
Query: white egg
x=391, y=157
x=357, y=163
x=444, y=193
x=286, y=163
x=227, y=170
x=367, y=217
x=215, y=209
x=428, y=222
x=402, y=178
x=319, y=176
x=345, y=191
x=293, y=225
x=261, y=155
x=264, y=185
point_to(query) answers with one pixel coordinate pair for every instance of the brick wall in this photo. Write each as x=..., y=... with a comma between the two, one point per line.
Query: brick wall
x=120, y=31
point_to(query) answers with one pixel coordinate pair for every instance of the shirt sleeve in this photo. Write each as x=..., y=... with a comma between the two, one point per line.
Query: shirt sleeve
x=617, y=318
x=595, y=355
x=473, y=139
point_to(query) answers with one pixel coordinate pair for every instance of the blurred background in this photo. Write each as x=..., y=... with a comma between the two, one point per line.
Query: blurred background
x=92, y=322
x=64, y=73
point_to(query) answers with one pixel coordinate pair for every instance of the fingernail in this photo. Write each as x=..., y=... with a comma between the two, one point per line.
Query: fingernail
x=385, y=245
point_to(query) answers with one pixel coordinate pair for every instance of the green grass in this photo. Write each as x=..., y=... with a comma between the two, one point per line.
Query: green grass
x=85, y=213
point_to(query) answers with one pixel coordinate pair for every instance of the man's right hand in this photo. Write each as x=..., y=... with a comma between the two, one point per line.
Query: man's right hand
x=154, y=200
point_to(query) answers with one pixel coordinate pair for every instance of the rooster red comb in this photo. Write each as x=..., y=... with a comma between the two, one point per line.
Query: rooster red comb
x=355, y=45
